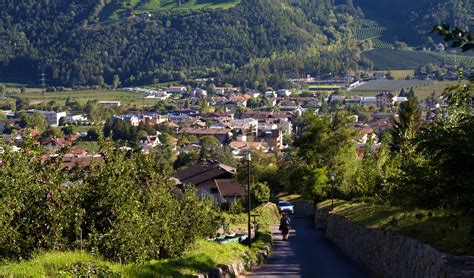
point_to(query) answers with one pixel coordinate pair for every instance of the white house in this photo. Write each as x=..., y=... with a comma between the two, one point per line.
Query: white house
x=76, y=118
x=52, y=117
x=270, y=94
x=284, y=93
x=199, y=93
x=177, y=89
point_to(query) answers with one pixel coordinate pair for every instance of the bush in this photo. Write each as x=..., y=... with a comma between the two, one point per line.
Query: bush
x=124, y=208
x=260, y=193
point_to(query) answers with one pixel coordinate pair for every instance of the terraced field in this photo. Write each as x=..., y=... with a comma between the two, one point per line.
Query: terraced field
x=367, y=33
x=120, y=8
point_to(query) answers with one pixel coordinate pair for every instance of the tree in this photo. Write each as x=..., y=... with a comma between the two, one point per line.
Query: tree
x=402, y=93
x=51, y=132
x=449, y=146
x=35, y=120
x=68, y=130
x=406, y=125
x=390, y=75
x=116, y=82
x=3, y=90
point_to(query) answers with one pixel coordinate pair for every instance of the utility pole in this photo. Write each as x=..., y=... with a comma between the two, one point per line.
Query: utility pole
x=43, y=82
x=249, y=158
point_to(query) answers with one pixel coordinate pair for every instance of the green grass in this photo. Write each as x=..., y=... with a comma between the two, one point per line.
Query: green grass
x=88, y=146
x=118, y=8
x=401, y=74
x=202, y=257
x=445, y=230
x=269, y=215
x=391, y=85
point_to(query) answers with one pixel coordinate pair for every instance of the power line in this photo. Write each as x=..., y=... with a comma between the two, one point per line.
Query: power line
x=43, y=82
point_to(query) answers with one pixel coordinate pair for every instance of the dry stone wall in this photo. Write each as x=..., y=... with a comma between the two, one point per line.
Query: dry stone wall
x=388, y=254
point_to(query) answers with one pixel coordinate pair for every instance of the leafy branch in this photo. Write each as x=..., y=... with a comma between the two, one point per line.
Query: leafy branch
x=457, y=37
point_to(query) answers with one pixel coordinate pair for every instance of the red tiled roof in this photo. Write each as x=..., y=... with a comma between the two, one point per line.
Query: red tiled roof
x=229, y=187
x=207, y=131
x=203, y=171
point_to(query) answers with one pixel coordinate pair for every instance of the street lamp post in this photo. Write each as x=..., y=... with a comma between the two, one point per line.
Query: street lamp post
x=331, y=178
x=249, y=159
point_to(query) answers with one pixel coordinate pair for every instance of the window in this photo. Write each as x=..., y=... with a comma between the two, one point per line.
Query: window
x=214, y=190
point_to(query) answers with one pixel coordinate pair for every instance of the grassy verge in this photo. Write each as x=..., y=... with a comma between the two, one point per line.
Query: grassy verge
x=445, y=230
x=268, y=215
x=202, y=257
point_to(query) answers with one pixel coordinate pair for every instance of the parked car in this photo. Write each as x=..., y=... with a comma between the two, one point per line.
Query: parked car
x=284, y=206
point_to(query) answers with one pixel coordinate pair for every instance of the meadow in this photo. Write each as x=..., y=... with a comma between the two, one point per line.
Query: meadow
x=35, y=96
x=391, y=85
x=119, y=8
x=422, y=90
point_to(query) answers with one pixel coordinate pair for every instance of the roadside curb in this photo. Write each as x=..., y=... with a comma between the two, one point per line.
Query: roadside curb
x=235, y=269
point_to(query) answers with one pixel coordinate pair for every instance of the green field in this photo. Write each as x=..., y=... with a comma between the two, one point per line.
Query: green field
x=127, y=98
x=401, y=74
x=391, y=85
x=391, y=59
x=421, y=92
x=119, y=8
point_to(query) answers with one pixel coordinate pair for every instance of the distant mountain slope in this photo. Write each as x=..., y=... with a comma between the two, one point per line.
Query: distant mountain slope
x=411, y=20
x=65, y=39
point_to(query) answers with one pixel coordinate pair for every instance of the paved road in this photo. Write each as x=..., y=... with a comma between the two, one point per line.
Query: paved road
x=306, y=254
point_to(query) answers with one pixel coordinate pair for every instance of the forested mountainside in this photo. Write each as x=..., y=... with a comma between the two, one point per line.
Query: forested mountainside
x=249, y=42
x=410, y=21
x=64, y=39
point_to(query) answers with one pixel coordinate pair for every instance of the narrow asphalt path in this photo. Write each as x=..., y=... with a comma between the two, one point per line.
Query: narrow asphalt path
x=306, y=254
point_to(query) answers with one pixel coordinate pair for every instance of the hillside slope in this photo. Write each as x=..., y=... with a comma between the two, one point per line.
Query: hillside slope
x=410, y=21
x=64, y=39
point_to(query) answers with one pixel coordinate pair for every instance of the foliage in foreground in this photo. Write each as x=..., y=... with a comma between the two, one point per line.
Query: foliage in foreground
x=123, y=208
x=203, y=256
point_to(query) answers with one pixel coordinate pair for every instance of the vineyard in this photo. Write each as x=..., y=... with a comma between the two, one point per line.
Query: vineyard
x=391, y=59
x=455, y=59
x=378, y=43
x=374, y=34
x=362, y=34
x=386, y=59
x=391, y=85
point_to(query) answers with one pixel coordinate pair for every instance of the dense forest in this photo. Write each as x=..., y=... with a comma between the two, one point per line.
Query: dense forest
x=410, y=21
x=256, y=43
x=63, y=39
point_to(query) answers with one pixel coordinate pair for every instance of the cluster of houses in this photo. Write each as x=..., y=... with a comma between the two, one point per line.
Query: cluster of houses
x=241, y=130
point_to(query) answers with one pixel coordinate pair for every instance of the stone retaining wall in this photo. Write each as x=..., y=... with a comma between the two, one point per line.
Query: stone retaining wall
x=388, y=254
x=235, y=269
